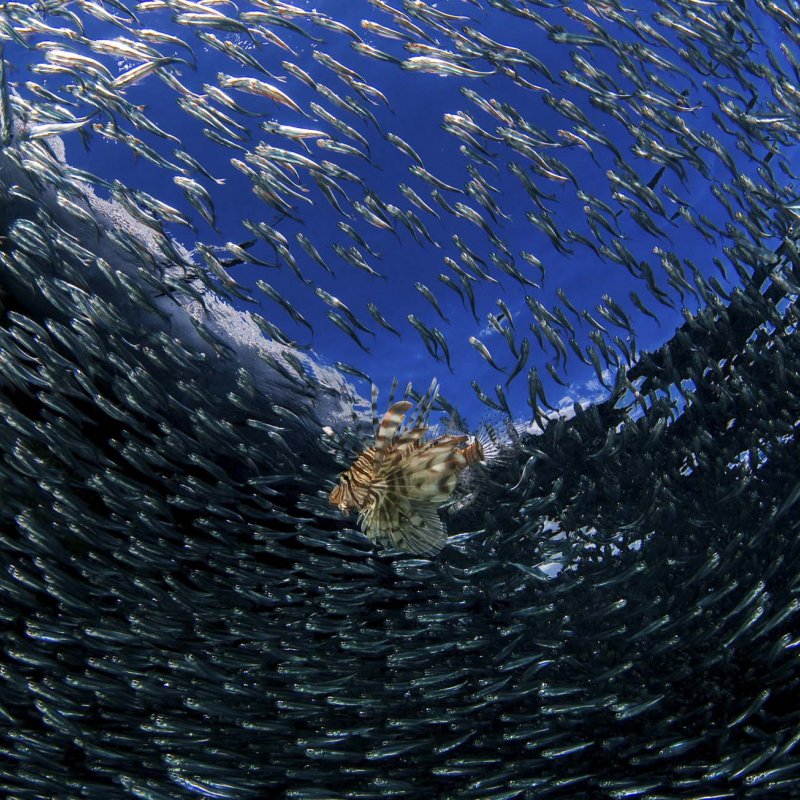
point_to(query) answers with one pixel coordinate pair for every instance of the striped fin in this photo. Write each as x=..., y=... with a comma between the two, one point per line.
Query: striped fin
x=425, y=404
x=390, y=423
x=409, y=439
x=374, y=410
x=473, y=453
x=392, y=391
x=485, y=446
x=411, y=527
x=422, y=532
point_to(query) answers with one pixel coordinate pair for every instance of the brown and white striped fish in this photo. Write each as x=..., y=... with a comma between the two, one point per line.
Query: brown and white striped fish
x=398, y=485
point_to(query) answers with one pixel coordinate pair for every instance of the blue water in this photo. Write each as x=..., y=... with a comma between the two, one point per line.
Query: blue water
x=417, y=103
x=614, y=614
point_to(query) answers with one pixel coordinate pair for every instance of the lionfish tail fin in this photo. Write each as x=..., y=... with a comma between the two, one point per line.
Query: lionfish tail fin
x=485, y=447
x=492, y=445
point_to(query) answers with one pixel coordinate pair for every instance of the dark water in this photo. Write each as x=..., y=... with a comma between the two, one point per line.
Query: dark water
x=183, y=614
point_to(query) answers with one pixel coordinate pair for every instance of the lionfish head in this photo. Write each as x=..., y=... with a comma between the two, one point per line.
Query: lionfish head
x=352, y=490
x=340, y=498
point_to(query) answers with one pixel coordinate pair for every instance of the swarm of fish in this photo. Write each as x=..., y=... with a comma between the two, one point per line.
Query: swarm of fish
x=398, y=485
x=689, y=97
x=182, y=612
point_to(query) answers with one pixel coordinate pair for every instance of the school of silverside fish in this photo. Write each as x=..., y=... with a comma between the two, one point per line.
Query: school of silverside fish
x=183, y=612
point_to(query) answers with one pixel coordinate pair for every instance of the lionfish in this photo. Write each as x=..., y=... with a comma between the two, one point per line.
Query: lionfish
x=398, y=485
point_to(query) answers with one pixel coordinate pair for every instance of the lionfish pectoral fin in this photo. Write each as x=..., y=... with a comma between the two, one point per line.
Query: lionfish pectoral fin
x=411, y=527
x=421, y=531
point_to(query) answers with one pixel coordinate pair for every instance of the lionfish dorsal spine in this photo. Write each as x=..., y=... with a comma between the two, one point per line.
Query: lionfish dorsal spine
x=374, y=410
x=425, y=405
x=391, y=422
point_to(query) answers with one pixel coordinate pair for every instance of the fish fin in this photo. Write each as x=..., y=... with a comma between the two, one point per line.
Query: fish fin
x=489, y=442
x=391, y=421
x=425, y=405
x=498, y=446
x=374, y=410
x=422, y=531
x=409, y=440
x=392, y=390
x=411, y=527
